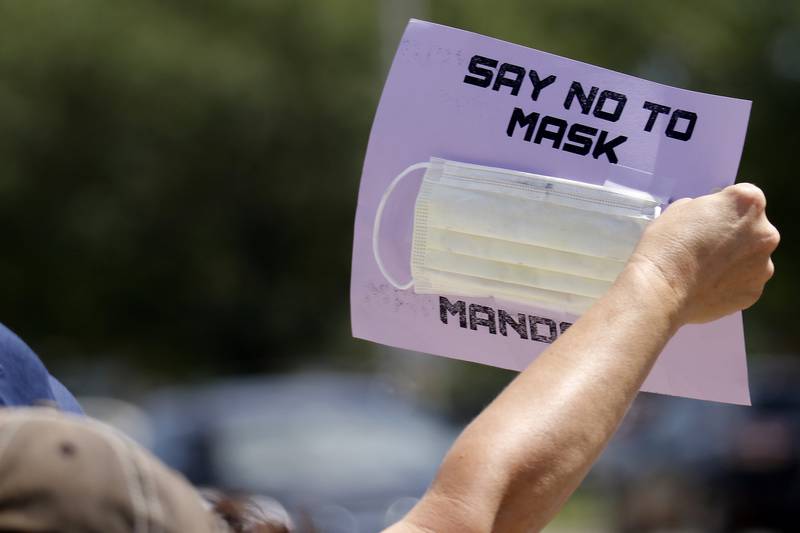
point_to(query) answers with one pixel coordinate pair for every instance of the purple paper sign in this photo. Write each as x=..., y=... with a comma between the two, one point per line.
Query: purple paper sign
x=462, y=96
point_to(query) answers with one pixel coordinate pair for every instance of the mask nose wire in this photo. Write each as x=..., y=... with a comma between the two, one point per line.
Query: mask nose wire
x=376, y=228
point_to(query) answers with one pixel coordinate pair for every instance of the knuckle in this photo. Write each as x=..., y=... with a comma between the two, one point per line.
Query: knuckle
x=749, y=195
x=769, y=238
x=769, y=270
x=774, y=237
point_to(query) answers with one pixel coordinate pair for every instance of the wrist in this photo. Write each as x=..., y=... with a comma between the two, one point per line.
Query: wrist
x=655, y=289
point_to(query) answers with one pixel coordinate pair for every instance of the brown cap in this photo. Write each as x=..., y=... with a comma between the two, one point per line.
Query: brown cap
x=62, y=472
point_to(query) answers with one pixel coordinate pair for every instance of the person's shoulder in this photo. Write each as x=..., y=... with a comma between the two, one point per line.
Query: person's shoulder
x=24, y=379
x=23, y=376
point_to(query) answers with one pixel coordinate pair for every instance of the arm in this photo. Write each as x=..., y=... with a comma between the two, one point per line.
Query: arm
x=517, y=463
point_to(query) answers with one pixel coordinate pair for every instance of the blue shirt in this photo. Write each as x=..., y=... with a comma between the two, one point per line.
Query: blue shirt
x=24, y=380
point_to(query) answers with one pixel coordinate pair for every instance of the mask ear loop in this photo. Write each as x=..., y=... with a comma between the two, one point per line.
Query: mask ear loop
x=376, y=228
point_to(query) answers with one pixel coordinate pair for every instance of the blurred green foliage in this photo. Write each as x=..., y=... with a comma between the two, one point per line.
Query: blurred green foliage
x=178, y=178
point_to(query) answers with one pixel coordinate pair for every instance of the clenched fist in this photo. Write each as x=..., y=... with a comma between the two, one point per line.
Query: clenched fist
x=710, y=255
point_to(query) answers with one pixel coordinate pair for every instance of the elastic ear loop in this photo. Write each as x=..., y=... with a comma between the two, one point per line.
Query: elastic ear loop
x=376, y=228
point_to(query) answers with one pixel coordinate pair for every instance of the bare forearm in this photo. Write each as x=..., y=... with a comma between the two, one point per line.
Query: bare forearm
x=515, y=465
x=521, y=458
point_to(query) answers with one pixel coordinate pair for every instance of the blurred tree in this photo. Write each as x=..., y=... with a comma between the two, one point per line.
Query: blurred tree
x=178, y=178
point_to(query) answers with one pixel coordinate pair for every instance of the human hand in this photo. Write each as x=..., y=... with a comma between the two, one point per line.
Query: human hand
x=710, y=255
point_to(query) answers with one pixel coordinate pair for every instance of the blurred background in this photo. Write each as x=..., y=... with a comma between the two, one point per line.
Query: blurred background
x=177, y=190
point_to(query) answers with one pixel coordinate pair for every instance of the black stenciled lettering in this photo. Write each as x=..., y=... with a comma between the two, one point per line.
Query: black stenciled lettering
x=536, y=328
x=602, y=147
x=520, y=325
x=584, y=100
x=580, y=139
x=655, y=110
x=482, y=76
x=539, y=84
x=459, y=308
x=689, y=117
x=551, y=335
x=519, y=118
x=514, y=82
x=556, y=135
x=475, y=320
x=620, y=100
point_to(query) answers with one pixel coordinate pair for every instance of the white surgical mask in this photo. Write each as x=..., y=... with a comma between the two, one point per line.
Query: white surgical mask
x=490, y=232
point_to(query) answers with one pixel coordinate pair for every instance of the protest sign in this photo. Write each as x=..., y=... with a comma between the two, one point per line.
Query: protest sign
x=461, y=96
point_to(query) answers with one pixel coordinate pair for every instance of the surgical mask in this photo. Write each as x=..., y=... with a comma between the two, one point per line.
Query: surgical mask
x=490, y=232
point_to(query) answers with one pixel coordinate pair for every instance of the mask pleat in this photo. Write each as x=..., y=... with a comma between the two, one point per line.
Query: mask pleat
x=524, y=254
x=537, y=223
x=586, y=198
x=517, y=274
